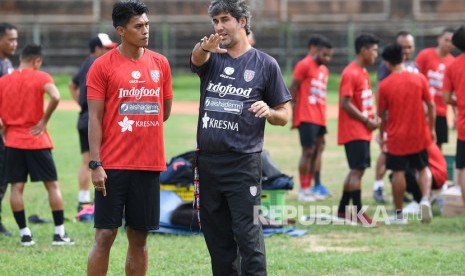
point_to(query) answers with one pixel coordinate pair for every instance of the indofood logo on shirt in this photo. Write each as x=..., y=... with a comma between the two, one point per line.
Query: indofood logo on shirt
x=138, y=93
x=223, y=90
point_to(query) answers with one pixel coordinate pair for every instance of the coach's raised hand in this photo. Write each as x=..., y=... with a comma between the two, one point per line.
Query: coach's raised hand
x=212, y=44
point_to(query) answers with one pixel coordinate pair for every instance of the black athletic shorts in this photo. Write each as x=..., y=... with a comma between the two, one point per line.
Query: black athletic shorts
x=38, y=164
x=309, y=133
x=442, y=130
x=416, y=161
x=137, y=193
x=460, y=155
x=358, y=154
x=84, y=139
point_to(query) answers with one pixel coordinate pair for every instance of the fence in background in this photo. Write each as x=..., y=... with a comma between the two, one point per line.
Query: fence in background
x=281, y=27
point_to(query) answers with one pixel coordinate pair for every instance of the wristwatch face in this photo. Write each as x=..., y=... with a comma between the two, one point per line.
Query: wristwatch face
x=94, y=164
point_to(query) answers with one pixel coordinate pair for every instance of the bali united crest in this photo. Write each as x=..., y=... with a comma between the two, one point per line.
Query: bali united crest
x=248, y=75
x=155, y=74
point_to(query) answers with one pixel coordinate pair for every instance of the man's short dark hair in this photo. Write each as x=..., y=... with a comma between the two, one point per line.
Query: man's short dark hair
x=314, y=40
x=124, y=11
x=324, y=43
x=31, y=51
x=5, y=26
x=458, y=39
x=447, y=30
x=237, y=9
x=365, y=41
x=393, y=54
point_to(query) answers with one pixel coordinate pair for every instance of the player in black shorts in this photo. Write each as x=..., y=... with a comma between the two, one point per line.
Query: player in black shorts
x=98, y=46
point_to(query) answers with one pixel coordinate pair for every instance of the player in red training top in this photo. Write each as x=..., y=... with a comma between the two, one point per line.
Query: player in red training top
x=129, y=95
x=433, y=62
x=407, y=41
x=454, y=85
x=402, y=95
x=99, y=45
x=308, y=88
x=356, y=122
x=28, y=145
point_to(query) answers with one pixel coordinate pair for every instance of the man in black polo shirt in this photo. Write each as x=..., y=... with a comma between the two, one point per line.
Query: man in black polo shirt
x=241, y=88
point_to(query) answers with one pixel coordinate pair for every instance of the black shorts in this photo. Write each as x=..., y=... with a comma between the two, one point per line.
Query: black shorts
x=460, y=155
x=442, y=130
x=358, y=154
x=84, y=139
x=137, y=193
x=309, y=132
x=416, y=161
x=19, y=163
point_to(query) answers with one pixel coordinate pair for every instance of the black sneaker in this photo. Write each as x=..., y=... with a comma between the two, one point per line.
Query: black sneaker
x=378, y=196
x=3, y=231
x=62, y=240
x=26, y=240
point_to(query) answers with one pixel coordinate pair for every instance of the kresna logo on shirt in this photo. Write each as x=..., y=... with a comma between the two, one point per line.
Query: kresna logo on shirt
x=127, y=124
x=208, y=122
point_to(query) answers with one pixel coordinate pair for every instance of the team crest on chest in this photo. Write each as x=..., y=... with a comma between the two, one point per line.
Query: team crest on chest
x=155, y=74
x=248, y=75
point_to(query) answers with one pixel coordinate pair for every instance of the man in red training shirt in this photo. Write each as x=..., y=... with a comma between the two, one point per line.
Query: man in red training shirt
x=402, y=95
x=27, y=143
x=308, y=89
x=356, y=122
x=129, y=95
x=432, y=63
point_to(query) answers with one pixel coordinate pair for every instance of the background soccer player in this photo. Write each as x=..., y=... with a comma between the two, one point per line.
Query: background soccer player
x=356, y=122
x=401, y=97
x=309, y=88
x=407, y=42
x=432, y=63
x=8, y=44
x=27, y=143
x=98, y=45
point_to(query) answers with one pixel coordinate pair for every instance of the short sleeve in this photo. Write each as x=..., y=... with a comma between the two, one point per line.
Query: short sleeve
x=300, y=70
x=96, y=82
x=346, y=87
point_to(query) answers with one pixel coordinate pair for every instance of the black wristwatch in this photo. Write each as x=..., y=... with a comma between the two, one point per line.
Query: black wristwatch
x=94, y=164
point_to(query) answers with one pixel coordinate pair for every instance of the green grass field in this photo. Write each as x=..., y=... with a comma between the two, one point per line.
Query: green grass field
x=414, y=249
